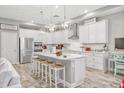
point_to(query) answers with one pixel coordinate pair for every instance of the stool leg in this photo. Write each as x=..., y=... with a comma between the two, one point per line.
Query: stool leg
x=64, y=78
x=39, y=70
x=50, y=76
x=115, y=73
x=46, y=73
x=42, y=71
x=55, y=79
x=34, y=68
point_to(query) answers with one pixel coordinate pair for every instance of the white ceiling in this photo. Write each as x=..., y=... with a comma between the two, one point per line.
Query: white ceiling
x=32, y=12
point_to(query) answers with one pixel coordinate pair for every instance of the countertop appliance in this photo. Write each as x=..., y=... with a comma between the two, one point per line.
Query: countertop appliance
x=25, y=50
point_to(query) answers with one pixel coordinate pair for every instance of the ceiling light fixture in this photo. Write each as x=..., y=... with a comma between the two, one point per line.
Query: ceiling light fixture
x=85, y=11
x=57, y=6
x=32, y=21
x=41, y=11
x=65, y=25
x=56, y=15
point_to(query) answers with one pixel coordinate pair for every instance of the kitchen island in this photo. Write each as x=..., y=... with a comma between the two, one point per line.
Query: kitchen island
x=74, y=66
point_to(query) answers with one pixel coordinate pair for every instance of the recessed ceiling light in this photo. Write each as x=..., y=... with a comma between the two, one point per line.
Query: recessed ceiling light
x=57, y=6
x=41, y=11
x=85, y=11
x=32, y=21
x=56, y=15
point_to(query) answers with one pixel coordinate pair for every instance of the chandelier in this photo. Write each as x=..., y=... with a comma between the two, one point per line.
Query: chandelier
x=59, y=26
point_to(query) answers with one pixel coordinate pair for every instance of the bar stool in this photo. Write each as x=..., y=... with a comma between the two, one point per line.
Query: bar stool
x=35, y=68
x=44, y=71
x=54, y=80
x=39, y=67
x=49, y=63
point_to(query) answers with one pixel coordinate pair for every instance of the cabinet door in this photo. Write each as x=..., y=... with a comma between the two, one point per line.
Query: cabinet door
x=83, y=34
x=92, y=33
x=62, y=36
x=90, y=61
x=58, y=37
x=54, y=37
x=99, y=63
x=101, y=32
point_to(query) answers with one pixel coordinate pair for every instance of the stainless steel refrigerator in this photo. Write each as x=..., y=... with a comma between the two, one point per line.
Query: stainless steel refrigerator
x=25, y=50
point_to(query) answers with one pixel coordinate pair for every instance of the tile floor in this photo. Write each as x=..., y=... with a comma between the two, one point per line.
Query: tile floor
x=94, y=78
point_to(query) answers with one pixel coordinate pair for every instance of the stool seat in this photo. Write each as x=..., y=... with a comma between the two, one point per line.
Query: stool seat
x=36, y=59
x=49, y=63
x=57, y=66
x=44, y=62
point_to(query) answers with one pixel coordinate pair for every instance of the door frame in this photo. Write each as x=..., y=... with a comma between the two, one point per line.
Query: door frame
x=12, y=31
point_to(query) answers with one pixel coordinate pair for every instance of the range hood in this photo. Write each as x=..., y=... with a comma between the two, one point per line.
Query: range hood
x=74, y=32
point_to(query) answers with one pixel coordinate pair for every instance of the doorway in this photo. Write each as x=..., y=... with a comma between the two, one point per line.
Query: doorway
x=9, y=46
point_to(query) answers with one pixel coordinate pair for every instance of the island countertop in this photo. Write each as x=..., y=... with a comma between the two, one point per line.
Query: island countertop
x=75, y=66
x=68, y=56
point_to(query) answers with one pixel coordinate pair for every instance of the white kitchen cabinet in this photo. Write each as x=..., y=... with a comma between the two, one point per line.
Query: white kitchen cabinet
x=89, y=62
x=94, y=33
x=96, y=61
x=99, y=63
x=56, y=37
x=26, y=33
x=83, y=34
x=46, y=38
x=101, y=32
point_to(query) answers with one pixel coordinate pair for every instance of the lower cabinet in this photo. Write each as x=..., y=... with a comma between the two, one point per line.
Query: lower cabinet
x=96, y=62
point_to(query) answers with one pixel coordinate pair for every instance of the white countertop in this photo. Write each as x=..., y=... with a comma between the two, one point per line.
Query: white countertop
x=69, y=56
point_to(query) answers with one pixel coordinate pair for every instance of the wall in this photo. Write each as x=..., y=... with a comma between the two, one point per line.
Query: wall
x=115, y=27
x=35, y=34
x=8, y=21
x=74, y=45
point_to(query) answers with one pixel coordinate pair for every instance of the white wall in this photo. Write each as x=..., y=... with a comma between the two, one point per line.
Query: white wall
x=35, y=34
x=115, y=27
x=74, y=45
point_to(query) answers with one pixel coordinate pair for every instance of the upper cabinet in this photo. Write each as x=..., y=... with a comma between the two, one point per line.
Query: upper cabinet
x=102, y=32
x=59, y=37
x=84, y=34
x=94, y=33
x=55, y=37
